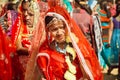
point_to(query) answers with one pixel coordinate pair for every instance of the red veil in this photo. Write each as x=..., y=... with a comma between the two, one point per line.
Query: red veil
x=84, y=51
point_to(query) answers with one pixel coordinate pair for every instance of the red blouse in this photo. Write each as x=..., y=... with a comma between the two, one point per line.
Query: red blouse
x=55, y=66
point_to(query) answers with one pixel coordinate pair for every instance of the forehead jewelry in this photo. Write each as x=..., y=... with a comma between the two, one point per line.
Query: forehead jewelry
x=54, y=20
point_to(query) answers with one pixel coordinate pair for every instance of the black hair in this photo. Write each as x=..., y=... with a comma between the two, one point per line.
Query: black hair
x=24, y=1
x=77, y=1
x=103, y=6
x=85, y=7
x=48, y=19
x=117, y=1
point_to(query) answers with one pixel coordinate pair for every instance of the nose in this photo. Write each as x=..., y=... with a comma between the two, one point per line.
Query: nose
x=26, y=15
x=59, y=32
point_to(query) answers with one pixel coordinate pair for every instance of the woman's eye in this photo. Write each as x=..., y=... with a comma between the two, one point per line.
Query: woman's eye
x=54, y=29
x=62, y=27
x=31, y=14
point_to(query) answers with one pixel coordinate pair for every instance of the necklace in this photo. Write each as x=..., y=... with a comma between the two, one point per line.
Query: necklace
x=30, y=30
x=59, y=49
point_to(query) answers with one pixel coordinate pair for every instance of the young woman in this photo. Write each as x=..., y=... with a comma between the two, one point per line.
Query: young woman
x=115, y=44
x=65, y=56
x=106, y=23
x=22, y=35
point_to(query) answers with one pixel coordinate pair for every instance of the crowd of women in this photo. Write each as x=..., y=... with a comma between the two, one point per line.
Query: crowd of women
x=58, y=39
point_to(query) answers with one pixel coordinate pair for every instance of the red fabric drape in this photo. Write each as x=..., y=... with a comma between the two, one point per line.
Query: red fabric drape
x=6, y=49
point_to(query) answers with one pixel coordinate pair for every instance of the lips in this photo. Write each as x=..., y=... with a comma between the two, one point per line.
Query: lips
x=28, y=22
x=60, y=38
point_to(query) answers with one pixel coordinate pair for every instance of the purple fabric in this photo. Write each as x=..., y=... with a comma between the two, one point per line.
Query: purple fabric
x=116, y=24
x=14, y=15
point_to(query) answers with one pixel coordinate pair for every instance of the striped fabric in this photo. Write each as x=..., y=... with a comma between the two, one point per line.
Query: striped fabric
x=104, y=24
x=2, y=22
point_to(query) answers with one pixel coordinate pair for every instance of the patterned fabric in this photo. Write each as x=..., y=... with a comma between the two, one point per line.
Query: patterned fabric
x=2, y=19
x=10, y=20
x=104, y=24
x=97, y=33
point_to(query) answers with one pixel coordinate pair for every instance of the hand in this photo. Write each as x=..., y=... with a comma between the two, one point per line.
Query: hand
x=22, y=52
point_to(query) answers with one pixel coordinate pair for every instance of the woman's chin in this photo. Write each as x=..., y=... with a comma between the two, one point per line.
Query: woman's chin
x=60, y=41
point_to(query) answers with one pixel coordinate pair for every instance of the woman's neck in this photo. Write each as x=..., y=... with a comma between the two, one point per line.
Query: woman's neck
x=61, y=45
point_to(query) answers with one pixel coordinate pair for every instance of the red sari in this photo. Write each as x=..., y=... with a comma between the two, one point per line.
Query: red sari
x=86, y=54
x=19, y=61
x=6, y=49
x=22, y=62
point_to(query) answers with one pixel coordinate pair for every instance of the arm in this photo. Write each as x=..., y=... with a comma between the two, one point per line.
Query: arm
x=43, y=61
x=110, y=32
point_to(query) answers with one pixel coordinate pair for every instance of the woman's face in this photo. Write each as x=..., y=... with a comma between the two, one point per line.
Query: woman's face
x=28, y=14
x=58, y=31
